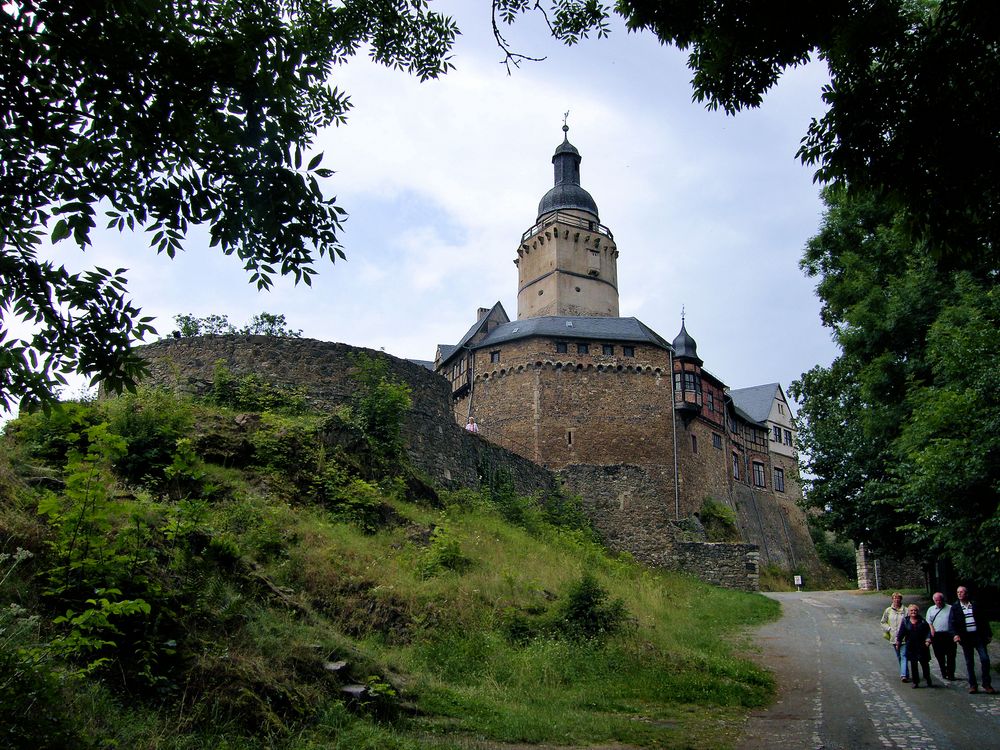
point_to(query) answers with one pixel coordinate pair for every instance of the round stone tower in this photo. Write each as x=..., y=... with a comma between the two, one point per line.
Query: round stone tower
x=567, y=262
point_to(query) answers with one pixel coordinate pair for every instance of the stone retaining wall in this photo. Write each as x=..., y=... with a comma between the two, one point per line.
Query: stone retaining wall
x=626, y=504
x=879, y=572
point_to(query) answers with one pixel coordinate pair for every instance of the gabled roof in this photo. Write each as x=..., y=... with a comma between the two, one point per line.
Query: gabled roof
x=496, y=312
x=573, y=327
x=756, y=401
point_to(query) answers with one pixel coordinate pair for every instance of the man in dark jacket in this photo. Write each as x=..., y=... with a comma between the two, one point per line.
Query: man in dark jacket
x=972, y=632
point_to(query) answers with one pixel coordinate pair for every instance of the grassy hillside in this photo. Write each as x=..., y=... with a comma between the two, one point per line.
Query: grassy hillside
x=240, y=573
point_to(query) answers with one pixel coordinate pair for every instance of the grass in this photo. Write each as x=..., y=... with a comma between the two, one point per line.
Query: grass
x=270, y=587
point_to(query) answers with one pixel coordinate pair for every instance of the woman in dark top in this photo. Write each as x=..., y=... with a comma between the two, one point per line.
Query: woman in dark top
x=916, y=634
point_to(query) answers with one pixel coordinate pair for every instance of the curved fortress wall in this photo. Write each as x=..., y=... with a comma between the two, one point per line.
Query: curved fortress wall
x=610, y=413
x=435, y=444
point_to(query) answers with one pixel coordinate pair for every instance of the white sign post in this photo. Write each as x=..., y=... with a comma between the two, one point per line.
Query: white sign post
x=798, y=583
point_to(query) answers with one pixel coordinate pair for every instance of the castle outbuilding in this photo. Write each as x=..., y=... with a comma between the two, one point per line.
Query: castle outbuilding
x=633, y=422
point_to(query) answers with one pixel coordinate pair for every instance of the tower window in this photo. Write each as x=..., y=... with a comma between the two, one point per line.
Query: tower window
x=569, y=437
x=583, y=348
x=717, y=440
x=779, y=480
x=788, y=437
x=694, y=443
x=561, y=347
x=758, y=474
x=495, y=357
x=607, y=349
x=777, y=434
x=628, y=351
x=736, y=466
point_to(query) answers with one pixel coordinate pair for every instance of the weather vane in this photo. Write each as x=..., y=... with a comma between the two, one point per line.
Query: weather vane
x=682, y=314
x=565, y=126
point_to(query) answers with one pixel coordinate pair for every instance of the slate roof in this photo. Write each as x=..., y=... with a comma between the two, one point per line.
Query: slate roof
x=755, y=401
x=574, y=327
x=624, y=330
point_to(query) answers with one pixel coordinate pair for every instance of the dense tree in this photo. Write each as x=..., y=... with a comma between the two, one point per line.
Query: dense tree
x=261, y=324
x=899, y=432
x=911, y=110
x=168, y=114
x=165, y=115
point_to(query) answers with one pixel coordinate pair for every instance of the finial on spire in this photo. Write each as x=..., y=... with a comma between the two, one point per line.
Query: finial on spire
x=565, y=126
x=682, y=314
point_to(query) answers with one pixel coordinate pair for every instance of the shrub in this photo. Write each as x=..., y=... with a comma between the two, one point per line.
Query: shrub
x=443, y=553
x=253, y=393
x=378, y=409
x=719, y=521
x=150, y=421
x=585, y=612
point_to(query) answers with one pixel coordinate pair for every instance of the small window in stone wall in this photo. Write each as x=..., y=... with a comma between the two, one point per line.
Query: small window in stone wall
x=779, y=480
x=628, y=351
x=569, y=437
x=494, y=357
x=758, y=474
x=717, y=440
x=561, y=347
x=736, y=466
x=694, y=443
x=607, y=349
x=583, y=348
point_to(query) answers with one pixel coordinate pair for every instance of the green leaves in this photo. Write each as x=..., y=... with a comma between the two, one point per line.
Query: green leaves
x=900, y=432
x=172, y=116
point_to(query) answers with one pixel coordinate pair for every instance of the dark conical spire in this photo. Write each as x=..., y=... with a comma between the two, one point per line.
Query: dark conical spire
x=566, y=192
x=686, y=347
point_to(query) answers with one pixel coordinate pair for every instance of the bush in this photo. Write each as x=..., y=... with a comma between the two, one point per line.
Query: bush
x=443, y=553
x=253, y=393
x=835, y=552
x=583, y=613
x=151, y=421
x=719, y=521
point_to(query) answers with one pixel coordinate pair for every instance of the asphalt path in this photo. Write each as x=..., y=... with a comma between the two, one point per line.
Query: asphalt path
x=839, y=687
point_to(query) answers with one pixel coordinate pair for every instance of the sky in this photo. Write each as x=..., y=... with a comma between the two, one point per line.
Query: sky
x=710, y=212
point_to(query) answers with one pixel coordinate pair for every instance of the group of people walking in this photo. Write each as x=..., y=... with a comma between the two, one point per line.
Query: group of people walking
x=946, y=627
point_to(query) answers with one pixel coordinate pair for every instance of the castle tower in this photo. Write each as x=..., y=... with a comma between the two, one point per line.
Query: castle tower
x=567, y=263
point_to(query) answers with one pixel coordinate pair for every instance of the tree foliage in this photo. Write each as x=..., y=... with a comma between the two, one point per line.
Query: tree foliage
x=900, y=431
x=261, y=324
x=166, y=115
x=910, y=104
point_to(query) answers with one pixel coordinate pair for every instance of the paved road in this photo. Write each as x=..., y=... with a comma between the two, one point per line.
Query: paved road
x=839, y=687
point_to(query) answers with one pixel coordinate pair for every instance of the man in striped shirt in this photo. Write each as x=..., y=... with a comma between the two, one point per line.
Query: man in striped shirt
x=972, y=632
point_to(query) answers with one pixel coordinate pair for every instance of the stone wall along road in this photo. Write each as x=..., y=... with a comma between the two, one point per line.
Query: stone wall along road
x=839, y=687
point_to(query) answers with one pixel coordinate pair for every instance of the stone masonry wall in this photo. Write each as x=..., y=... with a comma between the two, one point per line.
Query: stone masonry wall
x=627, y=504
x=435, y=444
x=734, y=566
x=627, y=510
x=879, y=572
x=705, y=473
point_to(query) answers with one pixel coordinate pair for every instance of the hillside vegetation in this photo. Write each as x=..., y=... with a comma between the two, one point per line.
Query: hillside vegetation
x=237, y=572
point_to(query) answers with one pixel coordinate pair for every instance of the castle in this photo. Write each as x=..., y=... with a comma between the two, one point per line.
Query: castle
x=569, y=385
x=571, y=395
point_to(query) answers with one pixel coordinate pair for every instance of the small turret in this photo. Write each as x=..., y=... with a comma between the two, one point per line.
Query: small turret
x=687, y=374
